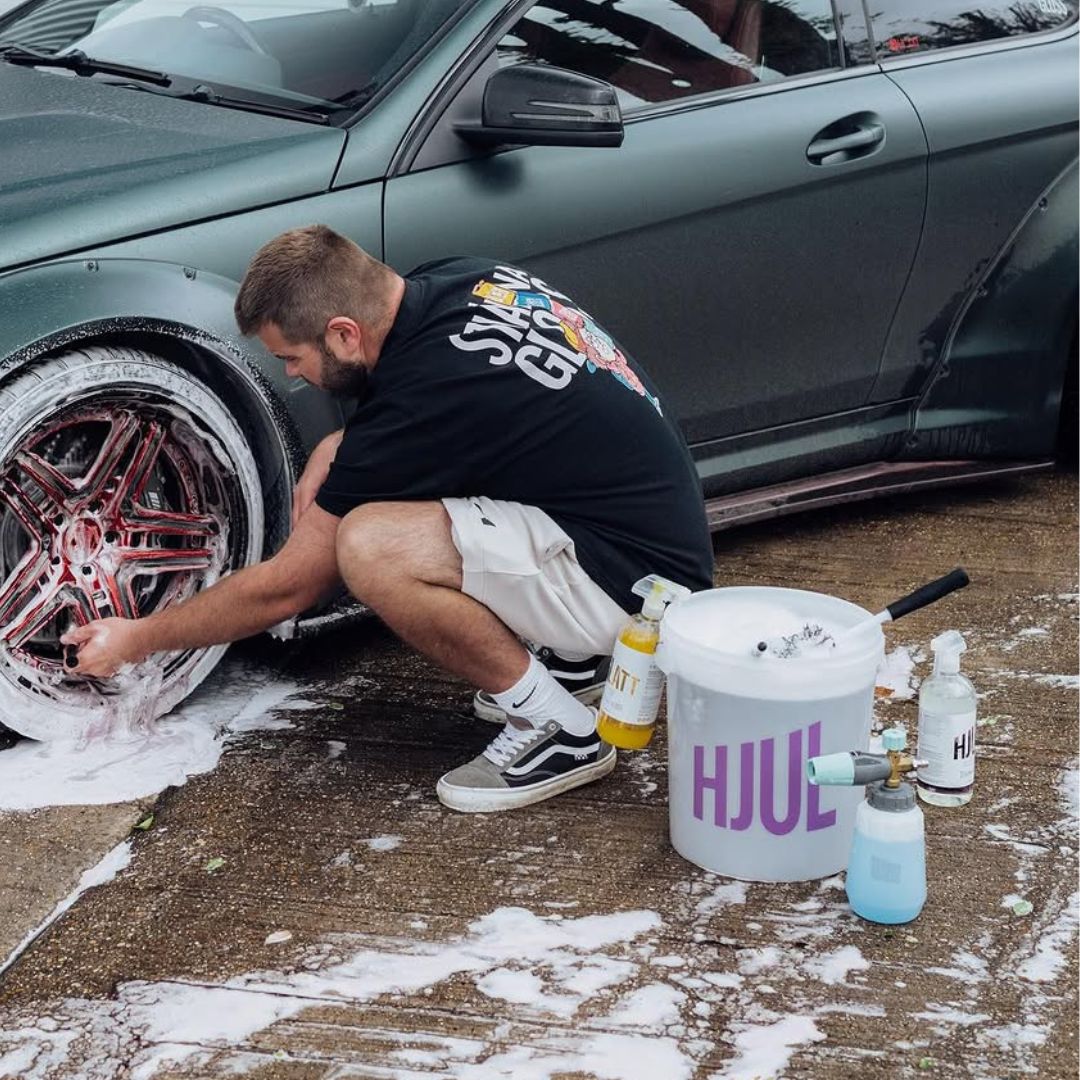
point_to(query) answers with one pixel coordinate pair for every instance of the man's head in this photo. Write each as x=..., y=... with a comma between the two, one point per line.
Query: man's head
x=320, y=303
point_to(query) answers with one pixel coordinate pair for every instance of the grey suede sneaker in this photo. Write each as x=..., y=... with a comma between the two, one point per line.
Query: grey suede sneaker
x=524, y=766
x=583, y=678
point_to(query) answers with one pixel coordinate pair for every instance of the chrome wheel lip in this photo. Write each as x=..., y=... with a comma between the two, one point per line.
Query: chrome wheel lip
x=93, y=539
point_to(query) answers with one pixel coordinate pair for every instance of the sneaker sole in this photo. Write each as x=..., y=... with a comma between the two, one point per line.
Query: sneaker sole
x=590, y=695
x=474, y=801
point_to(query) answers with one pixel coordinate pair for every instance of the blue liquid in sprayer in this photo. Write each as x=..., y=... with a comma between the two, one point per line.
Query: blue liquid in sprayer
x=886, y=882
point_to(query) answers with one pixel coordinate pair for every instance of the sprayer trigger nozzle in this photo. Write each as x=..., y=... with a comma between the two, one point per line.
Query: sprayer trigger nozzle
x=658, y=592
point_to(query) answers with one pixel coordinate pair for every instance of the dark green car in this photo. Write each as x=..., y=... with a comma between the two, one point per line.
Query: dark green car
x=844, y=244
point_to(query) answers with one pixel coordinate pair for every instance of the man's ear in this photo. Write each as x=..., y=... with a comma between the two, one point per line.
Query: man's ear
x=347, y=332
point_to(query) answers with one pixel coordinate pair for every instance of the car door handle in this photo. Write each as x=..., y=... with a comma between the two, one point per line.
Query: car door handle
x=835, y=149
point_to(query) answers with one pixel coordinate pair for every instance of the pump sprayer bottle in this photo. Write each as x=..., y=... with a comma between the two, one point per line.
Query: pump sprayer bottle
x=947, y=709
x=631, y=698
x=886, y=874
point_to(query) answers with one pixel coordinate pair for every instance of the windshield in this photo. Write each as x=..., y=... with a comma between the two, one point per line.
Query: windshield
x=332, y=53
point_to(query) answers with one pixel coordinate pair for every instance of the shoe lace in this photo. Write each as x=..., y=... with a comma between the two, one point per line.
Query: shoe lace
x=510, y=741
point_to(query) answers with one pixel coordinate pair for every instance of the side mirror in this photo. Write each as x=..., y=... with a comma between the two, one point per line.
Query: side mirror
x=537, y=105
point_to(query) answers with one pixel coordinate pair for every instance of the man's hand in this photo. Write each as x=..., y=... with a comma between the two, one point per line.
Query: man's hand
x=315, y=473
x=104, y=647
x=239, y=605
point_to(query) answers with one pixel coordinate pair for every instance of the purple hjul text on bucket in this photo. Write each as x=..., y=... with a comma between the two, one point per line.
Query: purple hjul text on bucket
x=757, y=773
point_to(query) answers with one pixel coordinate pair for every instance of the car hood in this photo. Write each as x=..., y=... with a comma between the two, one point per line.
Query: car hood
x=84, y=163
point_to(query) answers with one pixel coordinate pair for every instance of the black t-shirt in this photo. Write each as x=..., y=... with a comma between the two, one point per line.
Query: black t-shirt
x=492, y=383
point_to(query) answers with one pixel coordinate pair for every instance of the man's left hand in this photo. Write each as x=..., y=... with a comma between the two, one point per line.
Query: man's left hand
x=104, y=647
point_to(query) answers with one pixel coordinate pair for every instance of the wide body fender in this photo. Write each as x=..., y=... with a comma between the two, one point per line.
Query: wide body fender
x=187, y=315
x=997, y=389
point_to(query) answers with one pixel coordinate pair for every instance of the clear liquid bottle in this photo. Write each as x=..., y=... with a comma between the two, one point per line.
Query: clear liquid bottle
x=627, y=716
x=947, y=714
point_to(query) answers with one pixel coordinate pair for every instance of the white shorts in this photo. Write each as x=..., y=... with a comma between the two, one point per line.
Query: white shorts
x=518, y=563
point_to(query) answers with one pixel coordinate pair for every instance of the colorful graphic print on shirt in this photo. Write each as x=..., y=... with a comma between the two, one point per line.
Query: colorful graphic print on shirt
x=523, y=320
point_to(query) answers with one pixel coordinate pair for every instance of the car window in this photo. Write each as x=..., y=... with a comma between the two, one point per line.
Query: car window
x=661, y=50
x=908, y=26
x=329, y=51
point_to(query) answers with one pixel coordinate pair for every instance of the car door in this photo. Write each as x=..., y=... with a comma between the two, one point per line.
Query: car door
x=750, y=239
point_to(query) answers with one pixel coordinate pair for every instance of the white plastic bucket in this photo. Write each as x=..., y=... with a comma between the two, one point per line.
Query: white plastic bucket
x=742, y=725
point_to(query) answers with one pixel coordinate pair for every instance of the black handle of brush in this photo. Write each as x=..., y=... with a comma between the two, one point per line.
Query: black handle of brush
x=928, y=594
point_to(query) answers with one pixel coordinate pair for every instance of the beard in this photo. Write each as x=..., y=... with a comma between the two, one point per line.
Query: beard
x=341, y=379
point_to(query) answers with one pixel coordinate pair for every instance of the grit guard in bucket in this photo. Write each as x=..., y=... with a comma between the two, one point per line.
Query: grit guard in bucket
x=742, y=726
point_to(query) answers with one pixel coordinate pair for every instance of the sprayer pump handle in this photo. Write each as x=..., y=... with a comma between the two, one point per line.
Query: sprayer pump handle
x=935, y=590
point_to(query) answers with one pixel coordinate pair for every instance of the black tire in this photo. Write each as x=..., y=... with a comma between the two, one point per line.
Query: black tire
x=125, y=486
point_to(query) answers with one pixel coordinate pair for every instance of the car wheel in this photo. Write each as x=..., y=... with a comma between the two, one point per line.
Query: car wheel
x=126, y=486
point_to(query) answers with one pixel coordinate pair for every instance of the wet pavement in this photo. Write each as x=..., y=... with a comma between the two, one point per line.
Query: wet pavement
x=308, y=909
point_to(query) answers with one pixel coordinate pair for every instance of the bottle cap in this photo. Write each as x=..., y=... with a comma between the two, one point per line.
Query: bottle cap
x=895, y=738
x=893, y=800
x=947, y=648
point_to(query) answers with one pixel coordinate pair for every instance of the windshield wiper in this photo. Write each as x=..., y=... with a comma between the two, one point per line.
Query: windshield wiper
x=202, y=92
x=78, y=62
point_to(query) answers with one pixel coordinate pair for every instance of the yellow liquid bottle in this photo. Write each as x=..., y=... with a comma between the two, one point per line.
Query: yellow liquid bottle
x=633, y=683
x=627, y=716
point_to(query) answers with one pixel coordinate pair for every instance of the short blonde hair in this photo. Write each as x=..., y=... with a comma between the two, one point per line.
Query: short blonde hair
x=304, y=277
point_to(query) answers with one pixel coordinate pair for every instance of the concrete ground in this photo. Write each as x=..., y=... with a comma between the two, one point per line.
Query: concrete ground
x=308, y=909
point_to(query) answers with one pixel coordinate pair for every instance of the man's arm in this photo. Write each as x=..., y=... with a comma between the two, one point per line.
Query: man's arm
x=242, y=604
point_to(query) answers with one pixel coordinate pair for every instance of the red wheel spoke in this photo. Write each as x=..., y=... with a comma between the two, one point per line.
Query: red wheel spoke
x=165, y=523
x=165, y=560
x=135, y=475
x=124, y=431
x=50, y=599
x=57, y=487
x=17, y=591
x=31, y=513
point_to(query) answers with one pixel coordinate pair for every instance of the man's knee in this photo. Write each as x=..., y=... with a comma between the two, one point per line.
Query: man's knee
x=365, y=537
x=377, y=542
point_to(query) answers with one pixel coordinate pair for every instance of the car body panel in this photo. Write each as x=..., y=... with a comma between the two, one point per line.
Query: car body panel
x=221, y=249
x=106, y=299
x=709, y=231
x=98, y=162
x=997, y=388
x=705, y=223
x=1001, y=121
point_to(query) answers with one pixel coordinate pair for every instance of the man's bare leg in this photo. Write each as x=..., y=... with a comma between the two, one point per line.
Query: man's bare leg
x=399, y=558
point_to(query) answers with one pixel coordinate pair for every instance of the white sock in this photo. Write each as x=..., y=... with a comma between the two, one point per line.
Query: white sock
x=538, y=698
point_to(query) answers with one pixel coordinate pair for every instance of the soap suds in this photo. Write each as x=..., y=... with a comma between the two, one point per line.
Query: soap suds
x=120, y=767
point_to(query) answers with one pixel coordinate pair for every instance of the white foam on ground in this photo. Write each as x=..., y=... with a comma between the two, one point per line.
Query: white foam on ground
x=1065, y=682
x=652, y=1008
x=1069, y=792
x=834, y=967
x=1053, y=946
x=148, y=1026
x=383, y=843
x=135, y=764
x=105, y=870
x=897, y=674
x=604, y=1056
x=730, y=892
x=944, y=1017
x=765, y=1050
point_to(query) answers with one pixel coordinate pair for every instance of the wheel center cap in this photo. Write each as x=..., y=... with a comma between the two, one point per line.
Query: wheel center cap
x=82, y=540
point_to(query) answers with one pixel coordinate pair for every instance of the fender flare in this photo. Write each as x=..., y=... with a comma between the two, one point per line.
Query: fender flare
x=1022, y=307
x=186, y=315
